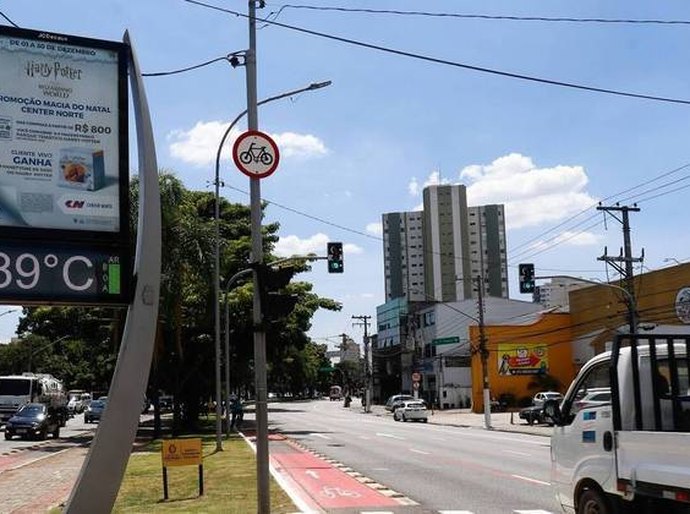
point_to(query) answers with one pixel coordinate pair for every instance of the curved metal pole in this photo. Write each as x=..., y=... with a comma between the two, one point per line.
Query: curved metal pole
x=101, y=474
x=219, y=412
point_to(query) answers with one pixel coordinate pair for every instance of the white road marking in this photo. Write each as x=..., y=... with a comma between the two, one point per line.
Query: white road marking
x=381, y=469
x=381, y=434
x=319, y=435
x=533, y=480
x=538, y=511
x=455, y=512
x=312, y=474
x=365, y=437
x=439, y=439
x=419, y=451
x=377, y=512
x=517, y=453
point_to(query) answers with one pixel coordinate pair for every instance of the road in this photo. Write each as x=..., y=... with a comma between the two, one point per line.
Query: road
x=443, y=468
x=75, y=427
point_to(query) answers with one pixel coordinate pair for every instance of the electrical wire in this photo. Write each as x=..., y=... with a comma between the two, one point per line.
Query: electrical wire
x=189, y=68
x=429, y=14
x=480, y=69
x=3, y=15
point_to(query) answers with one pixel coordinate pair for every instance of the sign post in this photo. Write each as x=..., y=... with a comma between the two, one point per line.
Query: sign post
x=182, y=452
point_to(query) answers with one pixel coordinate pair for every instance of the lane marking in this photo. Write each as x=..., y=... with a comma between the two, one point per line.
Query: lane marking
x=365, y=437
x=382, y=434
x=518, y=453
x=381, y=469
x=455, y=512
x=538, y=511
x=533, y=480
x=419, y=451
x=312, y=474
x=319, y=435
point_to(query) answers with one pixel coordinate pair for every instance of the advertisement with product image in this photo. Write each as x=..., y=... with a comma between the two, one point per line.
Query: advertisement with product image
x=59, y=135
x=522, y=359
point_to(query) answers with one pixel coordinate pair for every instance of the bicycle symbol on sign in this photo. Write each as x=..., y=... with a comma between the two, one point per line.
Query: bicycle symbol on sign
x=257, y=154
x=332, y=492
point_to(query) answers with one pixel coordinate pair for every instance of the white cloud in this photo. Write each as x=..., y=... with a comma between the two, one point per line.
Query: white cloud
x=198, y=146
x=435, y=179
x=299, y=145
x=531, y=195
x=375, y=228
x=569, y=238
x=350, y=248
x=294, y=245
x=413, y=187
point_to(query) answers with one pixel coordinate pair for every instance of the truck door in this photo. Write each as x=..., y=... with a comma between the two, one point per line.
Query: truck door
x=581, y=447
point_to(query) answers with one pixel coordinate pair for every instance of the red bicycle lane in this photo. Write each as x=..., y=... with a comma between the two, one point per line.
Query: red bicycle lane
x=320, y=485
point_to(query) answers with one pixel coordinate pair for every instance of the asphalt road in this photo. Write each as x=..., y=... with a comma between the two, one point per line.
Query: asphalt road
x=75, y=427
x=443, y=468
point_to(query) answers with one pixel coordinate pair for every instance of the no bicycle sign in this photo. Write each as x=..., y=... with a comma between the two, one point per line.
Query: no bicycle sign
x=255, y=154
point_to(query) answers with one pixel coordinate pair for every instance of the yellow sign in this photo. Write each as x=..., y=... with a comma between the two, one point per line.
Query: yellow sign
x=181, y=452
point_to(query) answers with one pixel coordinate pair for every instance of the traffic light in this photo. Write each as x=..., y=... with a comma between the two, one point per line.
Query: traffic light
x=335, y=257
x=526, y=272
x=275, y=303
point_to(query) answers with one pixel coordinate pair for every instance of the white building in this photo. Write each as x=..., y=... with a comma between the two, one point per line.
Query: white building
x=554, y=294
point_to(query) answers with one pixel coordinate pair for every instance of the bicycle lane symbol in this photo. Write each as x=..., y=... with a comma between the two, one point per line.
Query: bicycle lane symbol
x=255, y=154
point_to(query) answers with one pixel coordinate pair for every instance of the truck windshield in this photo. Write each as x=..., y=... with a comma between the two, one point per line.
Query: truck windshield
x=14, y=387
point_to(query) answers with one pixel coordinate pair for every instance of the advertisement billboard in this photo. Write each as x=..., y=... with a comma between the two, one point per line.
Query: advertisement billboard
x=60, y=153
x=64, y=181
x=522, y=359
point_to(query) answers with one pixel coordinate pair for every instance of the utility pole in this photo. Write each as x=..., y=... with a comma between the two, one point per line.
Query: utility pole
x=260, y=387
x=483, y=353
x=364, y=321
x=625, y=257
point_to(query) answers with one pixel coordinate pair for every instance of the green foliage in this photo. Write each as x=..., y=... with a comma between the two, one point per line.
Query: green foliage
x=80, y=345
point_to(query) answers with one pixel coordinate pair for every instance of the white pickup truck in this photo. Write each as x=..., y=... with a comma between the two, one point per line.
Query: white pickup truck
x=632, y=454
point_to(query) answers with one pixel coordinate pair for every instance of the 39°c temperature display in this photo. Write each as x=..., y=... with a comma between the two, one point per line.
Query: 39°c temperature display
x=69, y=274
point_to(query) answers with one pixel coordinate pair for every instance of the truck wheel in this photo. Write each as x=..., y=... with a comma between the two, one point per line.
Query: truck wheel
x=593, y=502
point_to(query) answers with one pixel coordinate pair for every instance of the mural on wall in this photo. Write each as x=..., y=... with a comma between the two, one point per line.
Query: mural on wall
x=522, y=359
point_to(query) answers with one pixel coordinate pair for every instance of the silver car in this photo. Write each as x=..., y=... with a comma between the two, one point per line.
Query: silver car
x=411, y=410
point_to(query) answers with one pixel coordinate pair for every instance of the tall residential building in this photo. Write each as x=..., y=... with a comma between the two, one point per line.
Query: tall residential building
x=446, y=243
x=435, y=254
x=488, y=248
x=403, y=255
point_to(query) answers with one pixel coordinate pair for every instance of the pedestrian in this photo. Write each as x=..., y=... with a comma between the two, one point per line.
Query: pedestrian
x=237, y=411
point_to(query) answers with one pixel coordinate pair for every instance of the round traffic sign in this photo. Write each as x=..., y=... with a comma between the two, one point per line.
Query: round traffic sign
x=255, y=154
x=416, y=377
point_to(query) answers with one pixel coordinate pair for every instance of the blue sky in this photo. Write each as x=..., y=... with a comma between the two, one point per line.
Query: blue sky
x=390, y=124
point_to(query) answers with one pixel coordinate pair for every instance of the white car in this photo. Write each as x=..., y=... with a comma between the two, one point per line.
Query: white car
x=395, y=400
x=540, y=398
x=412, y=410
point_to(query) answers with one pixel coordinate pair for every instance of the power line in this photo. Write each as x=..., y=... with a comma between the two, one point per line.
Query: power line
x=429, y=14
x=8, y=20
x=436, y=60
x=230, y=58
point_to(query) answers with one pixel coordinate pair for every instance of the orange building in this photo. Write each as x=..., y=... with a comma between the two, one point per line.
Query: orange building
x=522, y=358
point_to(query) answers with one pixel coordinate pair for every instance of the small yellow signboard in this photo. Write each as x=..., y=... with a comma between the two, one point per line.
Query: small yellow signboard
x=181, y=452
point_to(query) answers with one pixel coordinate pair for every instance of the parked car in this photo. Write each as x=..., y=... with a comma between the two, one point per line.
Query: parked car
x=33, y=420
x=541, y=397
x=532, y=414
x=396, y=399
x=411, y=410
x=94, y=411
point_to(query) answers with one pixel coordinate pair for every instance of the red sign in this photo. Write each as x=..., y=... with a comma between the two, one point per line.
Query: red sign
x=416, y=377
x=255, y=154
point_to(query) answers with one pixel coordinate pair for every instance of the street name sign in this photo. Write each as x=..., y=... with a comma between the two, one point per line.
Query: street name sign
x=445, y=340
